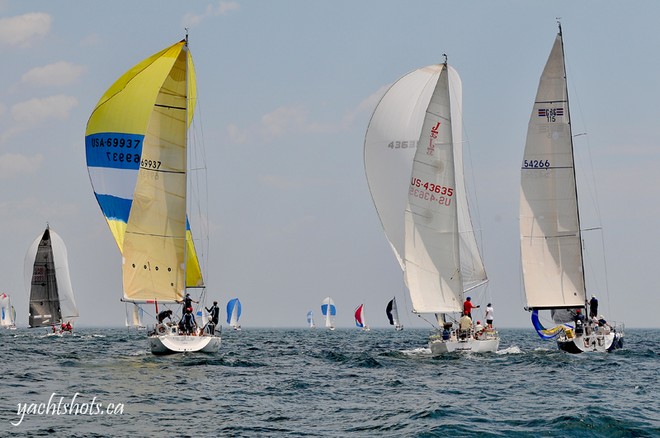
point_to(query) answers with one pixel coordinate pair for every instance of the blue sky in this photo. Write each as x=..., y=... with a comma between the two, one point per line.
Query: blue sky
x=286, y=92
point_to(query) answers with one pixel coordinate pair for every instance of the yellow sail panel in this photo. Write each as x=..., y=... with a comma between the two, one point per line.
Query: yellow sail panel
x=126, y=106
x=154, y=244
x=193, y=270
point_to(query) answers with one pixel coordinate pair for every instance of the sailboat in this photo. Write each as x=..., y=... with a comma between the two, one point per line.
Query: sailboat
x=47, y=273
x=419, y=192
x=310, y=319
x=137, y=152
x=7, y=312
x=234, y=313
x=550, y=233
x=134, y=316
x=329, y=311
x=360, y=320
x=392, y=313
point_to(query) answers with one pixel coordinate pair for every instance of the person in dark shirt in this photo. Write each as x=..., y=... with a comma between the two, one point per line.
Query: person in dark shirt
x=215, y=317
x=164, y=314
x=593, y=307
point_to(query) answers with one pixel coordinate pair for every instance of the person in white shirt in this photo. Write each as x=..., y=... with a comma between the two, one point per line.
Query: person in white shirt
x=489, y=315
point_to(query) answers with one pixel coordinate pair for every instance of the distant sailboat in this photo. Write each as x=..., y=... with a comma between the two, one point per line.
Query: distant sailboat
x=393, y=314
x=134, y=316
x=47, y=274
x=7, y=312
x=234, y=313
x=360, y=320
x=138, y=158
x=550, y=232
x=329, y=311
x=310, y=319
x=414, y=165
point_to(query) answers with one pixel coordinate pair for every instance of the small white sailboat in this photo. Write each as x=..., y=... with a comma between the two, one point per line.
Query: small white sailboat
x=310, y=319
x=234, y=313
x=550, y=233
x=134, y=316
x=7, y=313
x=139, y=163
x=329, y=311
x=392, y=313
x=47, y=275
x=360, y=319
x=419, y=192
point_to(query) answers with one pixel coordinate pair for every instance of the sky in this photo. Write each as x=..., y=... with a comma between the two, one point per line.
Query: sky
x=286, y=91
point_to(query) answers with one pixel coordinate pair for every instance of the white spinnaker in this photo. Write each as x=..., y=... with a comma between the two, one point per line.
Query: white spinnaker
x=549, y=224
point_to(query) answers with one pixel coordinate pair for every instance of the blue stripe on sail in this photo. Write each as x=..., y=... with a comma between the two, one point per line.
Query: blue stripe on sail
x=324, y=309
x=333, y=311
x=114, y=207
x=542, y=331
x=114, y=150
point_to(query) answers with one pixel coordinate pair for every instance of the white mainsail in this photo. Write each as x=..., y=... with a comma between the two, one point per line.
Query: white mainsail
x=550, y=241
x=441, y=256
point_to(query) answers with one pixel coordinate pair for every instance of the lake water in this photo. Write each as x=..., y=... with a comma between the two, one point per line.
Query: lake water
x=304, y=382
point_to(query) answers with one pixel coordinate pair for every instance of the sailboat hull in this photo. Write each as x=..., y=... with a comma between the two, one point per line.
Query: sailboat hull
x=171, y=344
x=594, y=342
x=440, y=346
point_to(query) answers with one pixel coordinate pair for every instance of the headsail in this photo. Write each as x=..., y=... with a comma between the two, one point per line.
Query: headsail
x=550, y=240
x=7, y=312
x=47, y=277
x=310, y=318
x=441, y=255
x=136, y=156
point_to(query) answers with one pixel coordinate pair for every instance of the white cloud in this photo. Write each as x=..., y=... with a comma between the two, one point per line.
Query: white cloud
x=59, y=73
x=368, y=105
x=34, y=111
x=191, y=19
x=12, y=165
x=22, y=30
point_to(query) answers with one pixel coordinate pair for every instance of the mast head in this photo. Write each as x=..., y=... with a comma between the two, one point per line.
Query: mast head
x=445, y=55
x=559, y=24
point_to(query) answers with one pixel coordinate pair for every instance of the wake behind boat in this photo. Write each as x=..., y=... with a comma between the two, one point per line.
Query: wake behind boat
x=550, y=234
x=137, y=156
x=414, y=166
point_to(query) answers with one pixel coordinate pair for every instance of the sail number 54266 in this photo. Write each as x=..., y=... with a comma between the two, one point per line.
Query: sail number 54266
x=536, y=164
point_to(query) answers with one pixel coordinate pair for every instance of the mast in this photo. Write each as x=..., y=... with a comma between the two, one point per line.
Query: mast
x=570, y=136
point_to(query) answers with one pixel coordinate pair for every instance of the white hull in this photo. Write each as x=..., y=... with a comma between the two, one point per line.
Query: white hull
x=439, y=346
x=173, y=342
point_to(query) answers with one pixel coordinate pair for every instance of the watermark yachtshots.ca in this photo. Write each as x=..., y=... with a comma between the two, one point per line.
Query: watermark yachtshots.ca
x=59, y=406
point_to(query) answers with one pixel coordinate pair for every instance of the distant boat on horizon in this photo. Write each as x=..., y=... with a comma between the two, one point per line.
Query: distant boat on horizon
x=329, y=311
x=52, y=303
x=7, y=312
x=310, y=319
x=392, y=313
x=234, y=313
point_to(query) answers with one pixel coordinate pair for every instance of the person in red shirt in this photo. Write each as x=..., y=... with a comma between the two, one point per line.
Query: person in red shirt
x=468, y=306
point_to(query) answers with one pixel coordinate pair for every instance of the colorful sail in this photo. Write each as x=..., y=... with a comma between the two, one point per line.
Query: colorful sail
x=47, y=277
x=136, y=143
x=310, y=319
x=359, y=316
x=550, y=241
x=233, y=312
x=329, y=311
